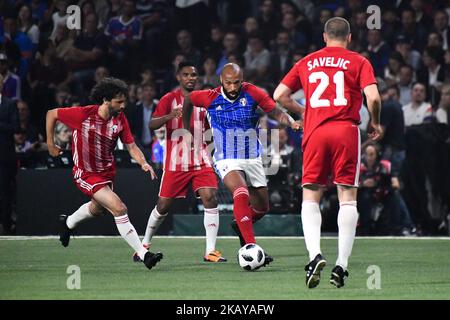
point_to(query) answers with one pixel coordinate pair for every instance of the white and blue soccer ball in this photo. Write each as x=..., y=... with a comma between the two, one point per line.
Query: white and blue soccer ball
x=251, y=257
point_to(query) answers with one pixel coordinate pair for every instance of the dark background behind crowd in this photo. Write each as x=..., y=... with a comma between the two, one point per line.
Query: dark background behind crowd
x=405, y=183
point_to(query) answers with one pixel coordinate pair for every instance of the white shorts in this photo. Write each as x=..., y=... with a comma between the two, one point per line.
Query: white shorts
x=252, y=168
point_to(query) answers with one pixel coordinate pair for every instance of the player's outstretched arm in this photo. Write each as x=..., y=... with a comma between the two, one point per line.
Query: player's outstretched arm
x=50, y=121
x=284, y=118
x=137, y=155
x=282, y=95
x=374, y=105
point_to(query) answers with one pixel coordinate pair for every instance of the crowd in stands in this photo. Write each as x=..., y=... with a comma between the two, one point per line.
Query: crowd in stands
x=405, y=183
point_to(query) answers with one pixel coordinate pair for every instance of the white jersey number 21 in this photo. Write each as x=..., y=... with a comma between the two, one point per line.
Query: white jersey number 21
x=324, y=80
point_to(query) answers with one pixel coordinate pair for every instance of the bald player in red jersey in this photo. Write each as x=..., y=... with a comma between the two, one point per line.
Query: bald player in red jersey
x=96, y=129
x=333, y=80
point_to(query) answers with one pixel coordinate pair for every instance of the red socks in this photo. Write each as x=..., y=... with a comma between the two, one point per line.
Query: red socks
x=243, y=214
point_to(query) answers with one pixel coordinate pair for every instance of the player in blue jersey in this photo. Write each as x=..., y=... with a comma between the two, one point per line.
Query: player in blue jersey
x=233, y=114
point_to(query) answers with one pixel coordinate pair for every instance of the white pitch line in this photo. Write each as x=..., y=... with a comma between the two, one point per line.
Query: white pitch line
x=221, y=237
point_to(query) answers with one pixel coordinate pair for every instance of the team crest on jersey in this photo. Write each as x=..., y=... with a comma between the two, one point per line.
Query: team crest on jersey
x=114, y=128
x=243, y=102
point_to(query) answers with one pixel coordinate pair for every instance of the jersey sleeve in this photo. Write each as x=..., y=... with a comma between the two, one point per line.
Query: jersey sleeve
x=292, y=78
x=366, y=74
x=125, y=135
x=264, y=101
x=162, y=108
x=73, y=116
x=202, y=98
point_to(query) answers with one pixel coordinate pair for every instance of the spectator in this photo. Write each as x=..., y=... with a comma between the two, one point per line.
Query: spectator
x=441, y=25
x=405, y=82
x=250, y=27
x=29, y=130
x=209, y=76
x=422, y=17
x=11, y=84
x=392, y=121
x=158, y=147
x=410, y=56
x=13, y=34
x=297, y=39
x=317, y=38
x=170, y=80
x=359, y=28
x=101, y=73
x=389, y=26
x=63, y=41
x=268, y=20
x=147, y=76
x=418, y=110
x=88, y=8
x=443, y=111
x=306, y=7
x=88, y=49
x=9, y=124
x=286, y=162
x=435, y=40
x=143, y=115
x=281, y=57
x=59, y=18
x=231, y=44
x=214, y=47
x=432, y=73
x=47, y=73
x=125, y=32
x=411, y=29
x=378, y=51
x=63, y=136
x=27, y=26
x=257, y=60
x=185, y=48
x=378, y=201
x=392, y=70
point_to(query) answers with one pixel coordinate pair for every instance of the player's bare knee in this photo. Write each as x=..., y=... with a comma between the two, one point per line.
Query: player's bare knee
x=162, y=208
x=209, y=200
x=95, y=209
x=120, y=209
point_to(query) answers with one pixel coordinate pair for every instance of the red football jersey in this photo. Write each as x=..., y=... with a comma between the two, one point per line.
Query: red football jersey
x=176, y=157
x=333, y=79
x=94, y=139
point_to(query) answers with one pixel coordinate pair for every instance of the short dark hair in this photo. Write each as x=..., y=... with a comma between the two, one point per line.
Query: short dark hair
x=394, y=87
x=337, y=28
x=183, y=64
x=107, y=89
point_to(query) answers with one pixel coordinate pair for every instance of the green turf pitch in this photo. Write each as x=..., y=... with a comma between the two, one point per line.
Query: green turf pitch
x=37, y=269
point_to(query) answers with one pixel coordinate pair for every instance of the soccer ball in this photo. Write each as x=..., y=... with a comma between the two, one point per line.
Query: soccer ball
x=251, y=257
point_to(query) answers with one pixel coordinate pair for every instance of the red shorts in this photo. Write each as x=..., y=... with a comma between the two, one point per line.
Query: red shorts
x=174, y=184
x=90, y=182
x=333, y=148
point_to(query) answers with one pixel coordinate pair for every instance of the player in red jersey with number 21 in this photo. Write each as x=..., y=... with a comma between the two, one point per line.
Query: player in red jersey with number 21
x=333, y=80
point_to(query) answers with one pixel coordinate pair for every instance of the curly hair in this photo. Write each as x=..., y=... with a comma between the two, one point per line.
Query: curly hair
x=107, y=89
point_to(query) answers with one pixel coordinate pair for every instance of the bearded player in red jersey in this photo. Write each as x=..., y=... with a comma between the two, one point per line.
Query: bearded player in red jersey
x=96, y=129
x=183, y=166
x=333, y=80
